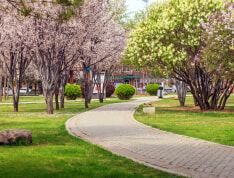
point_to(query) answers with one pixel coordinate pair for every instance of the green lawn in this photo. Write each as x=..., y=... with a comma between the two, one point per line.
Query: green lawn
x=55, y=153
x=25, y=99
x=190, y=121
x=29, y=99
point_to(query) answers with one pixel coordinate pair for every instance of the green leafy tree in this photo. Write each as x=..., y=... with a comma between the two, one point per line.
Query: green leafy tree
x=171, y=37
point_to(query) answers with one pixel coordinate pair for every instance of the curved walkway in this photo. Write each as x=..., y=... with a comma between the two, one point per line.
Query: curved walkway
x=113, y=128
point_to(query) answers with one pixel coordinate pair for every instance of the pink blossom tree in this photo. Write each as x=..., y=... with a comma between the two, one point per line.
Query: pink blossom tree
x=103, y=36
x=216, y=59
x=54, y=49
x=14, y=52
x=107, y=67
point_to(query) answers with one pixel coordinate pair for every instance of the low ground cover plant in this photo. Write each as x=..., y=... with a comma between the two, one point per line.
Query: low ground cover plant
x=124, y=91
x=72, y=91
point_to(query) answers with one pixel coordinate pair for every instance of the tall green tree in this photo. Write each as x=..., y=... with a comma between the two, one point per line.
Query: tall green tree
x=171, y=37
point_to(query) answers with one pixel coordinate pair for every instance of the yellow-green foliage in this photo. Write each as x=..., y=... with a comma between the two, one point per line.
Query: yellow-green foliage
x=171, y=28
x=125, y=91
x=152, y=89
x=72, y=91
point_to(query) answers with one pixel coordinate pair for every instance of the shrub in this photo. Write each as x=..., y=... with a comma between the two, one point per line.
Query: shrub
x=152, y=89
x=110, y=89
x=125, y=91
x=72, y=91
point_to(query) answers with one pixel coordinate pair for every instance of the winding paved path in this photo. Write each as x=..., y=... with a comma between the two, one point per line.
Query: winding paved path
x=113, y=128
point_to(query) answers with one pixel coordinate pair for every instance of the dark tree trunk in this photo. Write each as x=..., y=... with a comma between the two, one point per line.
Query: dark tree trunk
x=15, y=106
x=209, y=90
x=8, y=82
x=15, y=93
x=62, y=99
x=101, y=99
x=62, y=83
x=88, y=94
x=195, y=101
x=35, y=86
x=181, y=88
x=5, y=81
x=49, y=102
x=0, y=83
x=62, y=91
x=27, y=86
x=56, y=92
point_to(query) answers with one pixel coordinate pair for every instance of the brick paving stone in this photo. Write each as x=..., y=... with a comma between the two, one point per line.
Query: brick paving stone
x=114, y=128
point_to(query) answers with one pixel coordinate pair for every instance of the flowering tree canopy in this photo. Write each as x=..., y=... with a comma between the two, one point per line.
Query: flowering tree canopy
x=102, y=36
x=14, y=51
x=35, y=8
x=172, y=38
x=54, y=48
x=218, y=40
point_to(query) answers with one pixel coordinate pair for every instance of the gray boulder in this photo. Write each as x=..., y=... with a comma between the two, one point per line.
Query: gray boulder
x=15, y=136
x=149, y=110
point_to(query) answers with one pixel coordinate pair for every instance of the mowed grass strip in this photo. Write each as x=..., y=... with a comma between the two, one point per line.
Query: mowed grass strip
x=25, y=99
x=55, y=153
x=28, y=99
x=214, y=126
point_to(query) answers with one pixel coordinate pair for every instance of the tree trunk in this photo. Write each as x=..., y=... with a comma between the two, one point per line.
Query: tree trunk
x=147, y=78
x=7, y=97
x=195, y=102
x=62, y=100
x=49, y=102
x=35, y=87
x=16, y=106
x=56, y=92
x=62, y=94
x=5, y=81
x=15, y=93
x=0, y=84
x=27, y=88
x=90, y=88
x=101, y=98
x=86, y=95
x=181, y=91
x=136, y=84
x=62, y=84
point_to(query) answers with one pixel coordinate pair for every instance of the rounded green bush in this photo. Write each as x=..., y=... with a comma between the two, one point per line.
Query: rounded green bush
x=124, y=91
x=72, y=91
x=152, y=89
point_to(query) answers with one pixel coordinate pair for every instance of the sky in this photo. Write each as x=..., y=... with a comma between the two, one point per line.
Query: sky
x=136, y=5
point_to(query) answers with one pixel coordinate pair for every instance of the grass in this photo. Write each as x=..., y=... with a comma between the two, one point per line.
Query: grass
x=25, y=99
x=55, y=153
x=212, y=126
x=29, y=99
